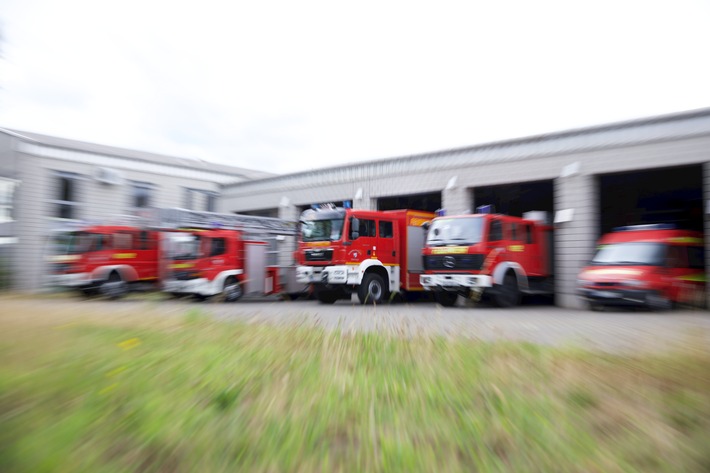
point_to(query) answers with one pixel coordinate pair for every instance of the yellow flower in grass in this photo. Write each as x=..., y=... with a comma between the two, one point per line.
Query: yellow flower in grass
x=108, y=389
x=115, y=372
x=130, y=343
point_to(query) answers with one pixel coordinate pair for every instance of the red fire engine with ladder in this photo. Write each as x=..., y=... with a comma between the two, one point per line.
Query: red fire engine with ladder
x=183, y=252
x=501, y=255
x=373, y=253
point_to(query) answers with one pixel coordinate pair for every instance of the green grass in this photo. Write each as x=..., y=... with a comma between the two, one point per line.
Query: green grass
x=197, y=395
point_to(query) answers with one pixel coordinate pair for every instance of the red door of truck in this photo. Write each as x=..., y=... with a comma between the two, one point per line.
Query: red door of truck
x=387, y=242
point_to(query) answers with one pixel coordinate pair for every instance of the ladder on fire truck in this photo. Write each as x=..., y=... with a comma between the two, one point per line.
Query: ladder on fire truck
x=264, y=227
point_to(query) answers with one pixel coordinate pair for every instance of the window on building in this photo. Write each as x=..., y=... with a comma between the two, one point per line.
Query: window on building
x=7, y=199
x=196, y=199
x=66, y=200
x=142, y=194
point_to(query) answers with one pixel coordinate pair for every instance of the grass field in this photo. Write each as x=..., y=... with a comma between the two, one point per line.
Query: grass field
x=80, y=393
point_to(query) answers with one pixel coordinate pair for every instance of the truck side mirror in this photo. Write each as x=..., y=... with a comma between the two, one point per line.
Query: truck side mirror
x=426, y=226
x=354, y=227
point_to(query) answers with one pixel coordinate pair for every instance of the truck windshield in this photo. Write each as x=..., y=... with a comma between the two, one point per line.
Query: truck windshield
x=74, y=243
x=630, y=254
x=322, y=230
x=455, y=231
x=322, y=224
x=183, y=247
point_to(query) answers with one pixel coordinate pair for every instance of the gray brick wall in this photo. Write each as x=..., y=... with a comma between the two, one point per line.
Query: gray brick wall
x=706, y=218
x=574, y=239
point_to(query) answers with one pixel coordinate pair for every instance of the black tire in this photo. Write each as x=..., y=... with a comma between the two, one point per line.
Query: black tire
x=372, y=290
x=657, y=302
x=88, y=292
x=326, y=296
x=232, y=290
x=114, y=287
x=199, y=298
x=508, y=293
x=446, y=298
x=596, y=307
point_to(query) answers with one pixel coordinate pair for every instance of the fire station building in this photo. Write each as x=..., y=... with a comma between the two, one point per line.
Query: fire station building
x=588, y=181
x=50, y=184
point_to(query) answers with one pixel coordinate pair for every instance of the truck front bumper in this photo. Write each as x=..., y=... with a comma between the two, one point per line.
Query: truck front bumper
x=71, y=280
x=190, y=286
x=628, y=297
x=454, y=282
x=341, y=274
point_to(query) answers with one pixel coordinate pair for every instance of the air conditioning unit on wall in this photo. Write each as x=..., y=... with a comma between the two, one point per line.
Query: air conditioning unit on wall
x=108, y=176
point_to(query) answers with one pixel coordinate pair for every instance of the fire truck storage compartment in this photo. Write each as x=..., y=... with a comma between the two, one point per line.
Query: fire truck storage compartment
x=415, y=243
x=429, y=202
x=518, y=198
x=255, y=267
x=672, y=195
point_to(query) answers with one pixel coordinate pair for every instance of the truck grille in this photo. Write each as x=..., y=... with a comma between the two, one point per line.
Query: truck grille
x=186, y=275
x=319, y=255
x=454, y=262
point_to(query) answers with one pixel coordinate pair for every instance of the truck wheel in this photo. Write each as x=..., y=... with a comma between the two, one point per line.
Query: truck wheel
x=372, y=290
x=446, y=298
x=232, y=291
x=114, y=287
x=507, y=294
x=326, y=297
x=88, y=292
x=657, y=302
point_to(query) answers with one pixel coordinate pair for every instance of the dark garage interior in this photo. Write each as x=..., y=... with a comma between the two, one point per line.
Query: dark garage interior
x=667, y=195
x=429, y=202
x=516, y=199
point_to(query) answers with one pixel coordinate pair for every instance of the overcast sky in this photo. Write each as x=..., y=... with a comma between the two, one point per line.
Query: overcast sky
x=284, y=86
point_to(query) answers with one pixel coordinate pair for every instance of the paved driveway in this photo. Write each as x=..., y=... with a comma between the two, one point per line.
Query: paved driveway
x=612, y=331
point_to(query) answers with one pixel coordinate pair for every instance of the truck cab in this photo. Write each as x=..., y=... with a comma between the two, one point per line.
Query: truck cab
x=106, y=259
x=204, y=263
x=342, y=251
x=473, y=254
x=655, y=266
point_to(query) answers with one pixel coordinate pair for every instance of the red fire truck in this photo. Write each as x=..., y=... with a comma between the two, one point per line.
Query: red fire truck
x=501, y=255
x=373, y=253
x=655, y=266
x=183, y=252
x=106, y=259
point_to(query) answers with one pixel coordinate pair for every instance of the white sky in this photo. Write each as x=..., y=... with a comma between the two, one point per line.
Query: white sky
x=283, y=86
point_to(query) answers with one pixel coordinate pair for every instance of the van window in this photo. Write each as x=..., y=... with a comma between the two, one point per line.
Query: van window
x=677, y=257
x=696, y=257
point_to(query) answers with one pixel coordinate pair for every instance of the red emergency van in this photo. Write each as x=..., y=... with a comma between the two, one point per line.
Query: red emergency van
x=656, y=266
